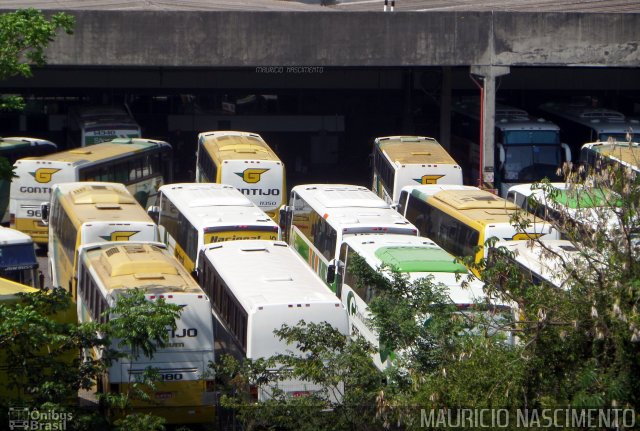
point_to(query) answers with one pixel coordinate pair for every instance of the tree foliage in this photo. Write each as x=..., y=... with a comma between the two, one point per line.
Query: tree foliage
x=24, y=36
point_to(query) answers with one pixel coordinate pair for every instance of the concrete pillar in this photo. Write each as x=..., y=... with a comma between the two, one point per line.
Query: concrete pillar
x=445, y=109
x=488, y=75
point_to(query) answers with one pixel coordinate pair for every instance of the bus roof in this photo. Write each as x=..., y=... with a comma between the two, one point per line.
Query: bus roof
x=10, y=143
x=419, y=257
x=625, y=152
x=413, y=150
x=10, y=236
x=345, y=205
x=237, y=145
x=97, y=201
x=477, y=206
x=600, y=119
x=267, y=273
x=506, y=117
x=147, y=266
x=544, y=257
x=9, y=290
x=104, y=150
x=212, y=204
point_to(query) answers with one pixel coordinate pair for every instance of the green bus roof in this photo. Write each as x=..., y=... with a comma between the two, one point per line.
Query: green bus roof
x=582, y=199
x=419, y=259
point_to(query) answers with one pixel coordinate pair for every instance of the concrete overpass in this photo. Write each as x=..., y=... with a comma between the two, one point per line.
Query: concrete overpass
x=156, y=41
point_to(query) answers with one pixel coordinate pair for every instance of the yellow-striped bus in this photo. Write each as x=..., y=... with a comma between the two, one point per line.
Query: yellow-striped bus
x=400, y=161
x=597, y=155
x=142, y=165
x=461, y=218
x=245, y=161
x=191, y=215
x=108, y=271
x=83, y=213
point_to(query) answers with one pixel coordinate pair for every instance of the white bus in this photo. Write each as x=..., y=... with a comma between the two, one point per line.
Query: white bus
x=541, y=261
x=400, y=161
x=417, y=257
x=580, y=123
x=110, y=270
x=527, y=149
x=142, y=165
x=320, y=216
x=576, y=209
x=598, y=155
x=88, y=125
x=256, y=287
x=18, y=258
x=191, y=215
x=84, y=213
x=243, y=160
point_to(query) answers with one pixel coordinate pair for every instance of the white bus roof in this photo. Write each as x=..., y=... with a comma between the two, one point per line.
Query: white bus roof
x=419, y=257
x=544, y=257
x=507, y=117
x=432, y=189
x=349, y=206
x=264, y=273
x=10, y=236
x=601, y=119
x=212, y=204
x=9, y=142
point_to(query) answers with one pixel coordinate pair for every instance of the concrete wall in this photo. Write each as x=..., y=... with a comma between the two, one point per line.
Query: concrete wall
x=241, y=39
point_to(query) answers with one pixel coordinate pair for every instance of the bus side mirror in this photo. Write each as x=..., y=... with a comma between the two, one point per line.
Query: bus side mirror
x=331, y=273
x=283, y=221
x=44, y=213
x=501, y=154
x=567, y=152
x=154, y=213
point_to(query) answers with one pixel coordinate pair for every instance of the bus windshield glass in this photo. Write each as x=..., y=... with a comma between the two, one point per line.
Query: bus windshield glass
x=617, y=137
x=531, y=137
x=531, y=155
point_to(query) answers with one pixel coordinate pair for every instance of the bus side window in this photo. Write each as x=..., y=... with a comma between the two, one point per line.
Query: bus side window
x=402, y=202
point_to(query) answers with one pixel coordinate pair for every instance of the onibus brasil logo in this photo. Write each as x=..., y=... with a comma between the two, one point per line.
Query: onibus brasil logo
x=251, y=175
x=121, y=235
x=428, y=179
x=43, y=175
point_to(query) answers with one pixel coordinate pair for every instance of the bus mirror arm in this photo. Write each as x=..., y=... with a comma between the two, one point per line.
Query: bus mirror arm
x=44, y=213
x=567, y=152
x=501, y=154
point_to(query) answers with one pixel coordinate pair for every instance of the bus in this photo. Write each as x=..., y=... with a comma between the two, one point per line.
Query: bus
x=542, y=261
x=256, y=287
x=400, y=161
x=596, y=155
x=320, y=216
x=243, y=160
x=107, y=272
x=417, y=257
x=82, y=213
x=461, y=218
x=12, y=149
x=10, y=296
x=527, y=149
x=18, y=258
x=191, y=215
x=580, y=123
x=88, y=125
x=143, y=165
x=575, y=211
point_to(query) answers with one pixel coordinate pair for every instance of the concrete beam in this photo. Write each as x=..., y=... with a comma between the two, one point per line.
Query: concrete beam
x=358, y=39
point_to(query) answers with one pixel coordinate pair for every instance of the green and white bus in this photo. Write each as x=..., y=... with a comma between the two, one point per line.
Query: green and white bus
x=320, y=216
x=417, y=257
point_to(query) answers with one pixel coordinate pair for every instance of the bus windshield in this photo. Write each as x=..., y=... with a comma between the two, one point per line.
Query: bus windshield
x=18, y=263
x=617, y=137
x=525, y=163
x=531, y=137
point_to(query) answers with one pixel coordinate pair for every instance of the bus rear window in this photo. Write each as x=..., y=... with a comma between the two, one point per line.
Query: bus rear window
x=19, y=256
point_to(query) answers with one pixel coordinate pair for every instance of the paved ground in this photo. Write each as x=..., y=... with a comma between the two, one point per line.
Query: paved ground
x=594, y=6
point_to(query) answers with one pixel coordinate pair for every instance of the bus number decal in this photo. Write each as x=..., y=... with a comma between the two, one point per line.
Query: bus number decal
x=34, y=213
x=171, y=377
x=251, y=175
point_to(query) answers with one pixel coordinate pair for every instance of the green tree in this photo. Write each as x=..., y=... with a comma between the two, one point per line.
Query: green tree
x=24, y=36
x=40, y=346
